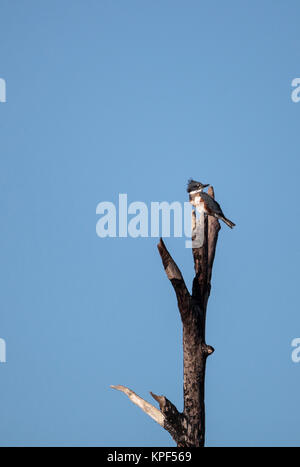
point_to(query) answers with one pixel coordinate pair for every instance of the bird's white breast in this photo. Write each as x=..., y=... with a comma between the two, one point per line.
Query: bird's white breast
x=199, y=205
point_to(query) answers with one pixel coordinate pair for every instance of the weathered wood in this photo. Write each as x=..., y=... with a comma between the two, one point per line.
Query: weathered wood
x=175, y=276
x=195, y=349
x=149, y=409
x=188, y=428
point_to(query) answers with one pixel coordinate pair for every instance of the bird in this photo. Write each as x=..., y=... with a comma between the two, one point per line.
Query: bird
x=203, y=202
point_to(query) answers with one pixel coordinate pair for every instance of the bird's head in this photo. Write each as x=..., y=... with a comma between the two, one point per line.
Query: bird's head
x=195, y=186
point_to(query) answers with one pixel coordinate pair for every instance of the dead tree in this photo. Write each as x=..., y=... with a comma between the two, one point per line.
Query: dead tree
x=188, y=428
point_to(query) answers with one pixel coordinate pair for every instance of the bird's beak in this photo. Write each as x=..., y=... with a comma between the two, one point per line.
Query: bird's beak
x=204, y=186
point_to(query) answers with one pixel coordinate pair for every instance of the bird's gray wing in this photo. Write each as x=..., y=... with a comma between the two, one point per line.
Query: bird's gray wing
x=211, y=203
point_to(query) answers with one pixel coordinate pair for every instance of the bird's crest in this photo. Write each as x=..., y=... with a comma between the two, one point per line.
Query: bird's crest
x=194, y=185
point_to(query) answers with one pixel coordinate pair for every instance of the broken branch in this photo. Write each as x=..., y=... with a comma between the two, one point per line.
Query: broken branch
x=176, y=279
x=149, y=409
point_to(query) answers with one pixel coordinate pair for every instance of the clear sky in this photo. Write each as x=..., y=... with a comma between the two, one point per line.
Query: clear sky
x=109, y=97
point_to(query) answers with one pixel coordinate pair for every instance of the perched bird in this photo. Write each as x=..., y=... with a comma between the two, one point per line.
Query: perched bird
x=203, y=202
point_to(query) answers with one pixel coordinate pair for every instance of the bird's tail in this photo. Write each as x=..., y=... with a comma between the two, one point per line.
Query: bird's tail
x=228, y=222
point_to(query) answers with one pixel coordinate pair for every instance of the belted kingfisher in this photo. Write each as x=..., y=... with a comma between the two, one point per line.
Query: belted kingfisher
x=203, y=202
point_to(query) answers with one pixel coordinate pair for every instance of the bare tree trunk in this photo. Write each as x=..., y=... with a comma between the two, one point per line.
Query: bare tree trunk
x=188, y=428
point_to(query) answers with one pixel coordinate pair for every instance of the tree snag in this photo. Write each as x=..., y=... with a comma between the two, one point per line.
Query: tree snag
x=188, y=428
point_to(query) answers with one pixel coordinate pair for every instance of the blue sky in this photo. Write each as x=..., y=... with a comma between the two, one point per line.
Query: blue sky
x=109, y=97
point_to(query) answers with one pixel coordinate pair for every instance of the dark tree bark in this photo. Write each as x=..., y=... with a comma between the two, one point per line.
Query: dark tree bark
x=188, y=428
